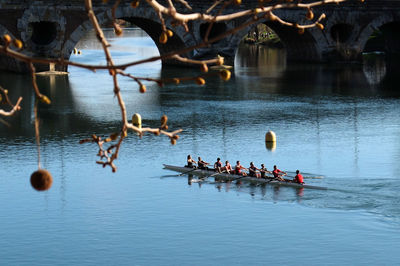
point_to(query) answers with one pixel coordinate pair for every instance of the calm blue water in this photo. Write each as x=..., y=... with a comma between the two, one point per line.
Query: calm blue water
x=340, y=122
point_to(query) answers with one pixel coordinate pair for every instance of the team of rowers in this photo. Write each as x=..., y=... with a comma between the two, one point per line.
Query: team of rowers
x=238, y=169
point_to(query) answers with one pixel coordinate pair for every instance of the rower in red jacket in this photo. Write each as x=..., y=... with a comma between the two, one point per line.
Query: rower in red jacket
x=238, y=169
x=278, y=174
x=227, y=167
x=298, y=178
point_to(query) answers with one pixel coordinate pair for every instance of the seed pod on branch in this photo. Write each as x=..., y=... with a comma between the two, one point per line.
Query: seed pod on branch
x=7, y=39
x=135, y=4
x=95, y=138
x=200, y=81
x=117, y=29
x=163, y=38
x=41, y=180
x=225, y=74
x=45, y=99
x=18, y=44
x=310, y=14
x=142, y=88
x=112, y=72
x=3, y=96
x=170, y=33
x=164, y=120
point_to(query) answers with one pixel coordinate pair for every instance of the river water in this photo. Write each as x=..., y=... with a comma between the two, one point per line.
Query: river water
x=340, y=122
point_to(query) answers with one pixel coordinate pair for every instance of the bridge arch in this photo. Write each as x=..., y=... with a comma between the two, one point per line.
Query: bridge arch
x=145, y=18
x=374, y=25
x=42, y=30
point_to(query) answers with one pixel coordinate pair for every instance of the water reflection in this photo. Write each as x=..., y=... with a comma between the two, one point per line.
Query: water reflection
x=269, y=65
x=269, y=61
x=374, y=67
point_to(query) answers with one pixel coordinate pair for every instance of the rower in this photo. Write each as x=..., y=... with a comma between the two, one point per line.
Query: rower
x=238, y=169
x=227, y=167
x=264, y=171
x=252, y=170
x=218, y=165
x=298, y=178
x=190, y=162
x=202, y=164
x=278, y=174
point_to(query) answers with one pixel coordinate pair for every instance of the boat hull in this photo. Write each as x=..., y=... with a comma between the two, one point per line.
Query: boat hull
x=229, y=177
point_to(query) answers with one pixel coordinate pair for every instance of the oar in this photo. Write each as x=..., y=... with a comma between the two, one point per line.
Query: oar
x=237, y=178
x=181, y=174
x=306, y=175
x=213, y=174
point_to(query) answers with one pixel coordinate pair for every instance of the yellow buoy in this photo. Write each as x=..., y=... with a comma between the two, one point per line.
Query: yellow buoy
x=270, y=136
x=137, y=120
x=271, y=146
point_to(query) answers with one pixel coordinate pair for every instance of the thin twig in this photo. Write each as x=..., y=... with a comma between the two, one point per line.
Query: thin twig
x=13, y=110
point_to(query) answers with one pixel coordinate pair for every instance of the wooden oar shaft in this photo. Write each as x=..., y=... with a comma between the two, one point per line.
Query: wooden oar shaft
x=188, y=171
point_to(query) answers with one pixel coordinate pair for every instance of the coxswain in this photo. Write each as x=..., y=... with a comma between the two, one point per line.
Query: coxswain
x=298, y=178
x=227, y=167
x=190, y=162
x=253, y=170
x=238, y=169
x=264, y=171
x=278, y=174
x=202, y=164
x=218, y=165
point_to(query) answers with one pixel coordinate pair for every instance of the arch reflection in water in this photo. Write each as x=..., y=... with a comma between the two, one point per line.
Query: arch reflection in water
x=94, y=93
x=374, y=67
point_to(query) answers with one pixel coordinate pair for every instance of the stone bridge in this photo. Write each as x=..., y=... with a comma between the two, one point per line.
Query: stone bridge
x=52, y=28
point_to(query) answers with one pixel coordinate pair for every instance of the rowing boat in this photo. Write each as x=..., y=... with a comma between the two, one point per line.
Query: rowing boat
x=229, y=177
